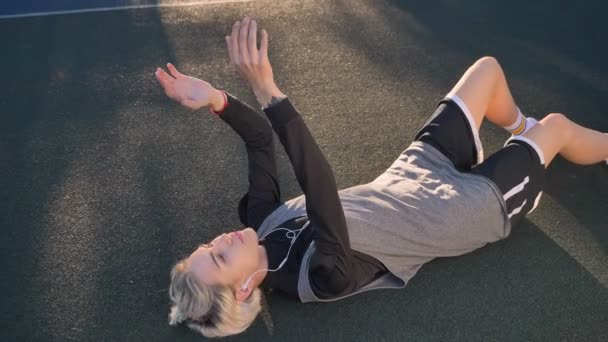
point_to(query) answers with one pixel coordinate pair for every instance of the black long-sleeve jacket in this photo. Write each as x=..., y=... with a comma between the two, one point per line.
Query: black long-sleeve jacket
x=335, y=269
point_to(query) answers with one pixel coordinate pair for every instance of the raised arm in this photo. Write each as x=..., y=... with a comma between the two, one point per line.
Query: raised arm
x=263, y=195
x=332, y=263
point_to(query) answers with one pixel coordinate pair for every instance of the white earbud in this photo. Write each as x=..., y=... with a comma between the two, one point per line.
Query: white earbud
x=291, y=234
x=246, y=284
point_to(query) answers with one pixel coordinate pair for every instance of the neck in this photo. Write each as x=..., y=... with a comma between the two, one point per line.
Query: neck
x=258, y=278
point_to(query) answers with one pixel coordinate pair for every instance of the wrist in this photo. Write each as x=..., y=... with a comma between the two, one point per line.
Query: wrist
x=218, y=102
x=266, y=92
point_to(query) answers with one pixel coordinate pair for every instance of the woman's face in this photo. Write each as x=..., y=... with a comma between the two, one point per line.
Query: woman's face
x=227, y=260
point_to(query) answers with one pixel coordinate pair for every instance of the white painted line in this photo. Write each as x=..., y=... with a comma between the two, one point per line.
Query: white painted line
x=118, y=8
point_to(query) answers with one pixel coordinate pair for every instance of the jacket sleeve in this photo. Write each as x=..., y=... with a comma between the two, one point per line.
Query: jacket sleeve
x=263, y=195
x=331, y=266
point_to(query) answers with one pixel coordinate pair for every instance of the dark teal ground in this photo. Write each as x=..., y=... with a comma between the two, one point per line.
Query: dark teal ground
x=105, y=183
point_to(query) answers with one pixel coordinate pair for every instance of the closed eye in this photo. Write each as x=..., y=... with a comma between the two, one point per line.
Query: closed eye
x=213, y=255
x=214, y=259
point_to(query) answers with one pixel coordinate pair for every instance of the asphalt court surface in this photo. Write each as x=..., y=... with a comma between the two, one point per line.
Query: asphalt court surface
x=106, y=183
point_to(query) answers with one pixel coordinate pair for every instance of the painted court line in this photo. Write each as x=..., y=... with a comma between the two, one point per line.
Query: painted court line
x=118, y=8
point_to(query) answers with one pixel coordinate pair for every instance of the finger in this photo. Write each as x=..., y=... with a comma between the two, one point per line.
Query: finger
x=229, y=48
x=253, y=41
x=264, y=45
x=172, y=94
x=167, y=82
x=162, y=77
x=157, y=75
x=174, y=71
x=234, y=41
x=243, y=33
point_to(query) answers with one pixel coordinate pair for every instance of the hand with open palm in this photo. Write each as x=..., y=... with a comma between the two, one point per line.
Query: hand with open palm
x=189, y=91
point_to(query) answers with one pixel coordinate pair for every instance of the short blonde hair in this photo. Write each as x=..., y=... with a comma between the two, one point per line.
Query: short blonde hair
x=212, y=311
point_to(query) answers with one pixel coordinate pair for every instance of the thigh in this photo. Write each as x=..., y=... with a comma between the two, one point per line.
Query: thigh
x=476, y=87
x=453, y=132
x=519, y=172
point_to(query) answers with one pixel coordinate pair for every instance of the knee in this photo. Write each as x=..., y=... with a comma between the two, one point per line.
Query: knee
x=557, y=121
x=489, y=65
x=488, y=61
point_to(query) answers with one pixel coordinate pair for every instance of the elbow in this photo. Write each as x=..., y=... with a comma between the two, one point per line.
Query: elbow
x=330, y=275
x=261, y=138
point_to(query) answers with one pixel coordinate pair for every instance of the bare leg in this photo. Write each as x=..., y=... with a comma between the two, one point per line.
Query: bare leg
x=557, y=134
x=484, y=90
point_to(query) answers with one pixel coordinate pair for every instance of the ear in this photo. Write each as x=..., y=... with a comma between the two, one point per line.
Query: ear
x=242, y=293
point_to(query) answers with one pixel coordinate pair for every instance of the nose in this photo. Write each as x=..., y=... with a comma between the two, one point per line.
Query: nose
x=227, y=239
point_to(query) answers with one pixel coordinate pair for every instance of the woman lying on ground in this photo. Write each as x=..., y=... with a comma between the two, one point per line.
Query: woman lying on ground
x=440, y=198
